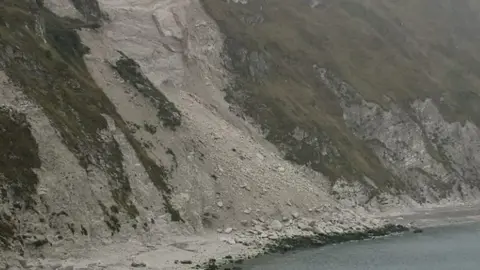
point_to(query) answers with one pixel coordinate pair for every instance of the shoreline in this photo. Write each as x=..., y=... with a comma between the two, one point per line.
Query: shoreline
x=297, y=242
x=414, y=222
x=225, y=250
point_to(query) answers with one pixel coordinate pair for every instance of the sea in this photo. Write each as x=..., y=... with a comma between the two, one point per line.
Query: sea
x=442, y=248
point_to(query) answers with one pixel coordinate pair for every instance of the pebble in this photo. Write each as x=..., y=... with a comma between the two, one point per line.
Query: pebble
x=247, y=211
x=228, y=230
x=245, y=186
x=244, y=223
x=295, y=215
x=220, y=204
x=304, y=227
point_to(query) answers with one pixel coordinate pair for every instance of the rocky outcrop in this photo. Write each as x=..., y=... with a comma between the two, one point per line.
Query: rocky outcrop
x=415, y=143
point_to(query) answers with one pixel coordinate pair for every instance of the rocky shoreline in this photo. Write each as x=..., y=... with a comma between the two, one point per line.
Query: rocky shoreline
x=290, y=243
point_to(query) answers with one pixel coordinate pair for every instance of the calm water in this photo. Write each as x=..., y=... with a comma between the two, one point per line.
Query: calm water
x=449, y=248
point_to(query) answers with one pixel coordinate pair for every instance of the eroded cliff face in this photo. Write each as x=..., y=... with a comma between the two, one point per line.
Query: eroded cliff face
x=433, y=159
x=378, y=96
x=144, y=120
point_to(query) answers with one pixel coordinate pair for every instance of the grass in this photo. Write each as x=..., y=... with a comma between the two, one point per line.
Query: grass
x=54, y=76
x=403, y=50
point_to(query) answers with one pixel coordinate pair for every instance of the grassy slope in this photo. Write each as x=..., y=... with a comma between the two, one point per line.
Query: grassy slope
x=404, y=50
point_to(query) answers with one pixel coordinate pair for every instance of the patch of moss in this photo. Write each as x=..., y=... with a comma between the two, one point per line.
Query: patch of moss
x=131, y=72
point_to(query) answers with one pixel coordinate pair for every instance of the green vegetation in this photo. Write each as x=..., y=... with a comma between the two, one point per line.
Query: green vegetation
x=389, y=51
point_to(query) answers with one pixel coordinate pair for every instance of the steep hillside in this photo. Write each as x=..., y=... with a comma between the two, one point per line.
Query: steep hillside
x=114, y=129
x=381, y=92
x=128, y=125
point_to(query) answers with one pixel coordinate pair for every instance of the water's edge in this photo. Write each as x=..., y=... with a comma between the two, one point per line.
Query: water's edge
x=288, y=244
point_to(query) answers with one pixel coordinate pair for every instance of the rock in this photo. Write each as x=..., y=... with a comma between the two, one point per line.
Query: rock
x=244, y=223
x=289, y=203
x=295, y=215
x=304, y=227
x=261, y=219
x=318, y=230
x=69, y=267
x=276, y=225
x=138, y=264
x=247, y=211
x=338, y=230
x=273, y=237
x=245, y=186
x=310, y=209
x=186, y=262
x=219, y=230
x=281, y=169
x=258, y=228
x=220, y=204
x=228, y=240
x=228, y=230
x=285, y=219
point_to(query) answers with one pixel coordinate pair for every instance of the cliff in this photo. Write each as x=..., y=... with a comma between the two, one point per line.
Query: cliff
x=146, y=120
